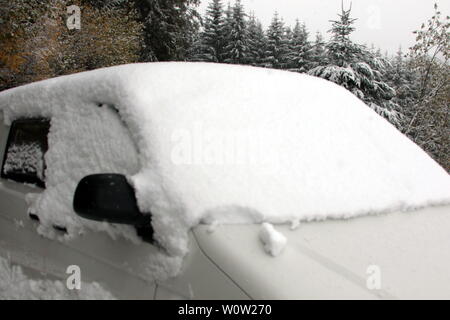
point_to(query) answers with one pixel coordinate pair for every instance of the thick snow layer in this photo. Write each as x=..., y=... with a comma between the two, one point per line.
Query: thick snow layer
x=25, y=158
x=221, y=144
x=273, y=240
x=16, y=285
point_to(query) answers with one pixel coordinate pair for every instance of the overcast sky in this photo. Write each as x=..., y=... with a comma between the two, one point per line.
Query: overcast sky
x=384, y=23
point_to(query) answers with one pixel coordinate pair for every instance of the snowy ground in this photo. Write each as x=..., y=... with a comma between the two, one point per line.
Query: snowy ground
x=221, y=144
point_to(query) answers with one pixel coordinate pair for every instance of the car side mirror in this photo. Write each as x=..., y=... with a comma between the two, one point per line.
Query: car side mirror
x=110, y=198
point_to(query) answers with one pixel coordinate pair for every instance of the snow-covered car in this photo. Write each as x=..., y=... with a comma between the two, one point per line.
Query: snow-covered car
x=208, y=181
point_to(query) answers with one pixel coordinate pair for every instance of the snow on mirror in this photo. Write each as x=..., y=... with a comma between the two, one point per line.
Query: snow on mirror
x=302, y=149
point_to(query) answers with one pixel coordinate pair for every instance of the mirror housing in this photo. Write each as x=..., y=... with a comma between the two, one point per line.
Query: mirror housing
x=110, y=198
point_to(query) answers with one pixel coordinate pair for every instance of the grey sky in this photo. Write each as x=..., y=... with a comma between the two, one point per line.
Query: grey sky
x=384, y=23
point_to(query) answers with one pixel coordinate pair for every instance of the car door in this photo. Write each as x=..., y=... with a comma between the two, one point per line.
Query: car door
x=101, y=259
x=13, y=208
x=118, y=265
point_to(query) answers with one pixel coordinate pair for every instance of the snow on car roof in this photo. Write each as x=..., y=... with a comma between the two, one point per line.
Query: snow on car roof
x=227, y=144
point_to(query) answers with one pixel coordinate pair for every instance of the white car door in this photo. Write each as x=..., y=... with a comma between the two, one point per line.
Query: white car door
x=100, y=258
x=117, y=265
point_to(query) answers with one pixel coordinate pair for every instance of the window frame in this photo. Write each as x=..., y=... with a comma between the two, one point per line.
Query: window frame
x=24, y=177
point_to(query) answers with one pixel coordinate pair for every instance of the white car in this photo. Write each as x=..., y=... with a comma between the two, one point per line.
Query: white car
x=123, y=175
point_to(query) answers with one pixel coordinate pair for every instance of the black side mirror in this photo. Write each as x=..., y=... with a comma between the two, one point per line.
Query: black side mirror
x=110, y=198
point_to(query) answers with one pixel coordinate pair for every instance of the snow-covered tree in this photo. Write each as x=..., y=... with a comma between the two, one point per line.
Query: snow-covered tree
x=428, y=124
x=237, y=47
x=341, y=49
x=430, y=57
x=169, y=28
x=378, y=94
x=228, y=21
x=210, y=44
x=318, y=53
x=404, y=80
x=299, y=55
x=355, y=68
x=277, y=44
x=256, y=42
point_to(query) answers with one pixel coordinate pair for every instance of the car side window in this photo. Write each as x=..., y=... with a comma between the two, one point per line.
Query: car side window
x=27, y=144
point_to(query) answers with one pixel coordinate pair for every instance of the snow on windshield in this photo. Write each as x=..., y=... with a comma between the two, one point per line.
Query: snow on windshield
x=222, y=144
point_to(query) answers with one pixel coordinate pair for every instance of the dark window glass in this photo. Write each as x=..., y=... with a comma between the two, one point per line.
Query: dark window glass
x=25, y=150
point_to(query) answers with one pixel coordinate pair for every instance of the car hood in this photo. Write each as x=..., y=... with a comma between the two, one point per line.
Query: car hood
x=392, y=256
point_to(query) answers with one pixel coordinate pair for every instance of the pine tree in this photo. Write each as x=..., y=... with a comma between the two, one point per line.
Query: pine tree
x=211, y=42
x=299, y=56
x=236, y=49
x=169, y=26
x=318, y=53
x=341, y=50
x=228, y=21
x=257, y=42
x=358, y=70
x=288, y=35
x=378, y=94
x=277, y=44
x=404, y=80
